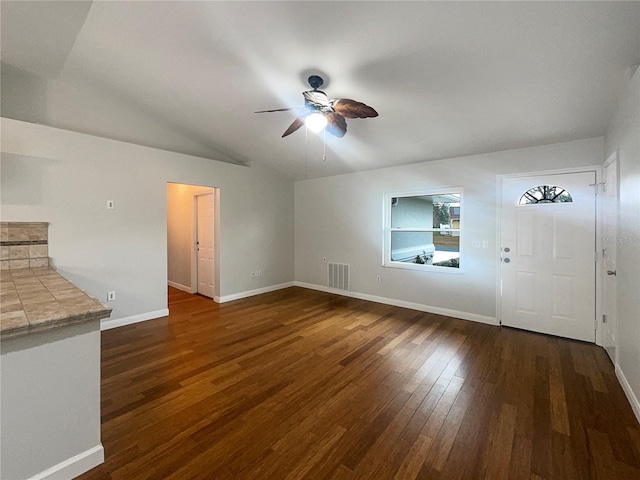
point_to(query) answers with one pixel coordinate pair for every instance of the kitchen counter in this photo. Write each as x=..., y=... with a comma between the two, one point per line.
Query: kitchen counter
x=50, y=370
x=39, y=299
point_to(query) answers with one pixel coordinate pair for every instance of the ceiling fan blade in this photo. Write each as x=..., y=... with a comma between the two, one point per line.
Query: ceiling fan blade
x=277, y=110
x=336, y=124
x=297, y=123
x=351, y=109
x=316, y=98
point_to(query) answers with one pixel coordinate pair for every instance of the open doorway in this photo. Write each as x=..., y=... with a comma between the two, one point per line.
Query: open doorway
x=193, y=239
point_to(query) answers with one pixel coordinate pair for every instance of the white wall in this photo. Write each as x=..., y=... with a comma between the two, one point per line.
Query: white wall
x=623, y=135
x=180, y=234
x=341, y=218
x=50, y=397
x=65, y=178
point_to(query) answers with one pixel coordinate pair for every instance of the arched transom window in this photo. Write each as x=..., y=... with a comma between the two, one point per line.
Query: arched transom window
x=545, y=194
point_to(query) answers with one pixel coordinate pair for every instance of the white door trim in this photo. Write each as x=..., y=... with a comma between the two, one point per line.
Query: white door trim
x=601, y=271
x=597, y=169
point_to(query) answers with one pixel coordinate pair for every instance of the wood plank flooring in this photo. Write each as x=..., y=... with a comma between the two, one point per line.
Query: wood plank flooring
x=299, y=384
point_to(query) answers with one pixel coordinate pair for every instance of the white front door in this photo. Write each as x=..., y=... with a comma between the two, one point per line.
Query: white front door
x=609, y=235
x=204, y=244
x=548, y=254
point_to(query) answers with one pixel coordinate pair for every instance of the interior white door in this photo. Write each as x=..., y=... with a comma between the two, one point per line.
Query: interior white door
x=205, y=245
x=609, y=201
x=548, y=257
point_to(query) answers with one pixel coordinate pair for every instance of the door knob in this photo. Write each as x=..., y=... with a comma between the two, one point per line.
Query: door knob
x=611, y=272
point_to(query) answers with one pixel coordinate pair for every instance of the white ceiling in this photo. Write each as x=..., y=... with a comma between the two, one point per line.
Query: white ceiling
x=447, y=78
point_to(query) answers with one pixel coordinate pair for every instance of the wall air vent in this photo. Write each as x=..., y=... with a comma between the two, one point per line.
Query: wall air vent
x=338, y=276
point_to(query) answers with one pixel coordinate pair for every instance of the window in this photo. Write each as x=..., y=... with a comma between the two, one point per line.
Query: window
x=422, y=229
x=545, y=194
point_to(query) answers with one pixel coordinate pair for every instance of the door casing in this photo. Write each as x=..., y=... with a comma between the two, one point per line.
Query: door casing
x=608, y=205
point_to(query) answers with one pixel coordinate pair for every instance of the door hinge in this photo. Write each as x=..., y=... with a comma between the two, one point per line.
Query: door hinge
x=595, y=257
x=604, y=318
x=604, y=252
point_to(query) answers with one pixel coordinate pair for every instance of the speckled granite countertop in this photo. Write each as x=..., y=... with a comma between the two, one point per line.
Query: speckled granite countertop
x=37, y=299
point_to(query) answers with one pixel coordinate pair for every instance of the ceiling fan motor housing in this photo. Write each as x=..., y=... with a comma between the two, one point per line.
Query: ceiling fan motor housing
x=315, y=107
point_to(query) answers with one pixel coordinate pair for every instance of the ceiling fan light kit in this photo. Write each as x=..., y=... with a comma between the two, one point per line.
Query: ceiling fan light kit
x=322, y=113
x=316, y=122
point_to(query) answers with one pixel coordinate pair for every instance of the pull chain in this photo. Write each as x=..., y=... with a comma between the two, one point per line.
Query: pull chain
x=306, y=153
x=324, y=145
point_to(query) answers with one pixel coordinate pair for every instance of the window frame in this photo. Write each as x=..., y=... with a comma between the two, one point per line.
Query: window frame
x=387, y=229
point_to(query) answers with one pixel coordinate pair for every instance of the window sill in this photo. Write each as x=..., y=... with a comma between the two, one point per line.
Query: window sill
x=423, y=268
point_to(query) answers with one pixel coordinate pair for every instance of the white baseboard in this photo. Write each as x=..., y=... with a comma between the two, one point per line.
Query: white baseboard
x=251, y=293
x=74, y=466
x=631, y=396
x=179, y=286
x=120, y=322
x=474, y=317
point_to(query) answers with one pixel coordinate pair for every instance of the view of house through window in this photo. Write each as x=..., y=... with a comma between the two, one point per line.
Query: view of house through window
x=423, y=229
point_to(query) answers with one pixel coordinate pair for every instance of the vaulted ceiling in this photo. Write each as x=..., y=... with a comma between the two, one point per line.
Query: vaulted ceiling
x=447, y=78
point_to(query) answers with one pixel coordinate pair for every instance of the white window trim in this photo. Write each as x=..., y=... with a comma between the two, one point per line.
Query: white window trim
x=386, y=242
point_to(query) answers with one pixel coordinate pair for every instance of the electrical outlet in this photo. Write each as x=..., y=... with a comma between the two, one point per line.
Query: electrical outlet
x=378, y=279
x=324, y=259
x=111, y=205
x=111, y=296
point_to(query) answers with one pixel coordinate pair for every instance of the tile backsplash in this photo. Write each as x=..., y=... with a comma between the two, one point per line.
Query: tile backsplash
x=24, y=245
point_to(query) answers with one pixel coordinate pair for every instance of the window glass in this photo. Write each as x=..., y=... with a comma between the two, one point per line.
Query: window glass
x=423, y=230
x=545, y=194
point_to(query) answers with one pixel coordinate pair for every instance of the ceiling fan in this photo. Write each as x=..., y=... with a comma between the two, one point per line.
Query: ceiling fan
x=319, y=112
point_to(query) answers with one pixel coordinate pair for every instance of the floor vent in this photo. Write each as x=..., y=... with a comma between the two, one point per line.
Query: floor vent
x=338, y=276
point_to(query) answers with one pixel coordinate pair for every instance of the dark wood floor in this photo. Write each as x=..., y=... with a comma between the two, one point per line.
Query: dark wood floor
x=303, y=384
